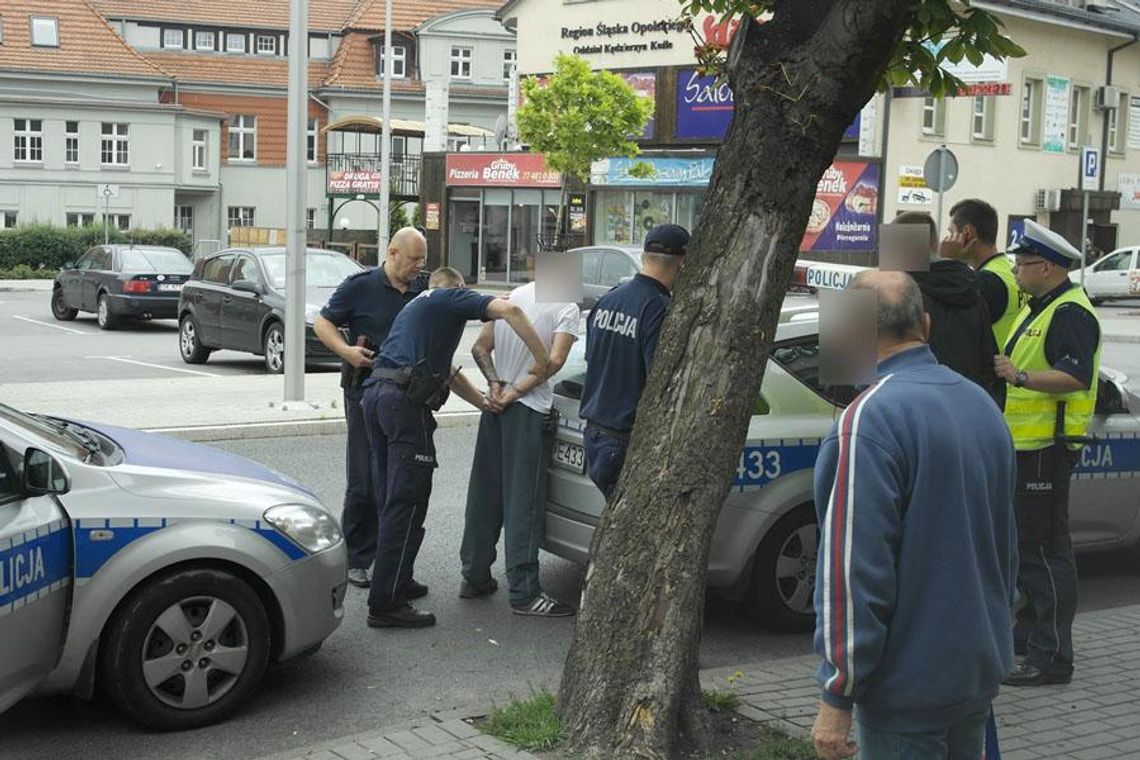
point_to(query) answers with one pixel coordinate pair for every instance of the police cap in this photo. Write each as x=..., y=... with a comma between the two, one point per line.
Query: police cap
x=1043, y=242
x=670, y=239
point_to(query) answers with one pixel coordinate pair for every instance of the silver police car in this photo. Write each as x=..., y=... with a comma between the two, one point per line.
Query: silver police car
x=170, y=573
x=764, y=549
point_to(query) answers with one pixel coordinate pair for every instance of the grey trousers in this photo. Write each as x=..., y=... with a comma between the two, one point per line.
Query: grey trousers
x=506, y=492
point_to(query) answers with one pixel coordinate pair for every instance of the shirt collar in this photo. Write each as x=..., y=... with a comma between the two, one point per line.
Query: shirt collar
x=991, y=258
x=1040, y=302
x=911, y=358
x=652, y=281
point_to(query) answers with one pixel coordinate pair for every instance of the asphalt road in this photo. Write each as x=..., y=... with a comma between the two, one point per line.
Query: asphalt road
x=363, y=679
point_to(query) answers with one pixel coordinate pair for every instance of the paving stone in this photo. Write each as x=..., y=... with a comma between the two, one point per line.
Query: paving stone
x=460, y=729
x=1096, y=753
x=352, y=751
x=407, y=741
x=380, y=746
x=445, y=749
x=433, y=734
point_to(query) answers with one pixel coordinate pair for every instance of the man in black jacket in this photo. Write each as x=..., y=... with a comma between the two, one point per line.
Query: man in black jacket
x=960, y=334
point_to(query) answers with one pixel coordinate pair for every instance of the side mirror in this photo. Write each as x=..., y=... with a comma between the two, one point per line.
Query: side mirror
x=43, y=474
x=246, y=286
x=69, y=265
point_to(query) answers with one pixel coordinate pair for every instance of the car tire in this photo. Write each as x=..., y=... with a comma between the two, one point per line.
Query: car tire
x=59, y=309
x=103, y=316
x=782, y=592
x=186, y=622
x=189, y=342
x=273, y=348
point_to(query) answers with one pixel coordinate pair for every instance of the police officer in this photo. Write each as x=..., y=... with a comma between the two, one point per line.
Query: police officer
x=367, y=303
x=1050, y=362
x=621, y=339
x=410, y=377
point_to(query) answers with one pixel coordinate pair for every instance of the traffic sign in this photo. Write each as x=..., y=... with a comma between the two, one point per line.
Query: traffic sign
x=107, y=191
x=940, y=170
x=1090, y=168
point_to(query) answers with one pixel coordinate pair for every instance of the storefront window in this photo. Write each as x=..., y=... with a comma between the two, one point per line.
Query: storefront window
x=613, y=213
x=649, y=210
x=496, y=231
x=688, y=209
x=463, y=234
x=525, y=219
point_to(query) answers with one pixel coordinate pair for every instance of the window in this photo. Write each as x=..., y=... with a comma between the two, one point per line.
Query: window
x=461, y=62
x=1, y=30
x=982, y=119
x=71, y=142
x=510, y=58
x=7, y=220
x=243, y=138
x=235, y=43
x=79, y=219
x=933, y=117
x=1118, y=125
x=45, y=31
x=116, y=149
x=204, y=41
x=802, y=359
x=198, y=150
x=217, y=269
x=399, y=146
x=240, y=216
x=1120, y=262
x=246, y=269
x=1029, y=128
x=615, y=267
x=311, y=141
x=266, y=44
x=455, y=143
x=184, y=218
x=119, y=222
x=310, y=218
x=399, y=62
x=28, y=140
x=1078, y=117
x=172, y=38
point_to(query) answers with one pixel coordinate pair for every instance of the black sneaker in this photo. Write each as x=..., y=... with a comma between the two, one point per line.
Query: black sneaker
x=544, y=606
x=413, y=590
x=359, y=577
x=1024, y=674
x=404, y=616
x=474, y=591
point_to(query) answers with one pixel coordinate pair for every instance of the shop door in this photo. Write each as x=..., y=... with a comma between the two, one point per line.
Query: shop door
x=525, y=229
x=496, y=235
x=463, y=236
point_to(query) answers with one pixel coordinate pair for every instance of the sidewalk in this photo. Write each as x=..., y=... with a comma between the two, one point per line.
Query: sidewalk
x=1092, y=718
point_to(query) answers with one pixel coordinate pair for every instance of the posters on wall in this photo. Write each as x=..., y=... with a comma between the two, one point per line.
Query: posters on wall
x=1055, y=124
x=1128, y=185
x=843, y=215
x=431, y=216
x=644, y=83
x=912, y=187
x=576, y=212
x=1134, y=123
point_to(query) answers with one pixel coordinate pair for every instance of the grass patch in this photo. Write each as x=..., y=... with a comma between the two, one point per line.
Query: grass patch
x=719, y=700
x=776, y=745
x=529, y=724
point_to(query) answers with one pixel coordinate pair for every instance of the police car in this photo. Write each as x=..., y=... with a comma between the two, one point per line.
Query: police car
x=764, y=549
x=169, y=574
x=1114, y=276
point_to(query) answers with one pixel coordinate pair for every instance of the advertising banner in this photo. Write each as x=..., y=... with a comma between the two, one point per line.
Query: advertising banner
x=644, y=83
x=364, y=181
x=500, y=170
x=843, y=213
x=912, y=187
x=1129, y=187
x=1054, y=131
x=672, y=172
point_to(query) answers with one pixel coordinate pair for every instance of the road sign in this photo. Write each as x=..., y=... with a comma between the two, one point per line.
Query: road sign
x=1090, y=168
x=107, y=191
x=940, y=170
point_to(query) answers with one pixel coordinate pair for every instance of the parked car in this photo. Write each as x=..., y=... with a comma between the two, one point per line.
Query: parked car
x=604, y=267
x=236, y=299
x=165, y=573
x=765, y=546
x=1115, y=275
x=117, y=281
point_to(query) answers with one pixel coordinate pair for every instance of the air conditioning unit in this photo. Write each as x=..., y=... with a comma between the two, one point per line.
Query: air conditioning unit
x=1107, y=98
x=1096, y=6
x=1047, y=199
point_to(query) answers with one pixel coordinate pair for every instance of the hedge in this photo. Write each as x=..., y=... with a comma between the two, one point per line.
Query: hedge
x=42, y=246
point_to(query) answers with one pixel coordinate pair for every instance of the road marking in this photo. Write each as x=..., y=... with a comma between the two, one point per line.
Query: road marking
x=155, y=366
x=49, y=324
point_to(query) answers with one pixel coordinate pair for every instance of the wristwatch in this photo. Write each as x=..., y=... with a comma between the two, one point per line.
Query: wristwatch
x=1021, y=377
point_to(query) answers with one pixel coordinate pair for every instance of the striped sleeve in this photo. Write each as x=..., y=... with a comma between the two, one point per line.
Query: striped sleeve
x=859, y=495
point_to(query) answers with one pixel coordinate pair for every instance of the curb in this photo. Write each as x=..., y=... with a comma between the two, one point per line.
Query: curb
x=1122, y=338
x=290, y=428
x=25, y=286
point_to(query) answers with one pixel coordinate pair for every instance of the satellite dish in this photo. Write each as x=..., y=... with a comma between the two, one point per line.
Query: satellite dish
x=500, y=130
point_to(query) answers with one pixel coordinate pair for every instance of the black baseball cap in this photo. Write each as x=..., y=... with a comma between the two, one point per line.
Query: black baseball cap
x=670, y=239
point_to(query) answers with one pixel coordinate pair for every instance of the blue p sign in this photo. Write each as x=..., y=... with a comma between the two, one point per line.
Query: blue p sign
x=1090, y=168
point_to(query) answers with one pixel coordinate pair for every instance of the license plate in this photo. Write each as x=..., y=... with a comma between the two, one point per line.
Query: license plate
x=571, y=456
x=174, y=287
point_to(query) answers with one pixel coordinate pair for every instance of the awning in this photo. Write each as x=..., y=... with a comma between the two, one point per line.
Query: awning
x=400, y=127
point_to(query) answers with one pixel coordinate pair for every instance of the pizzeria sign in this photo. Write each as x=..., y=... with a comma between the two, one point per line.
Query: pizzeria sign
x=500, y=170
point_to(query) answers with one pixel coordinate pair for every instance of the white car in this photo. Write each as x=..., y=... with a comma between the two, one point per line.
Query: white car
x=170, y=574
x=1114, y=275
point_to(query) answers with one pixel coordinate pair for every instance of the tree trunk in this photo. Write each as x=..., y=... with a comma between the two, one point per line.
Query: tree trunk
x=630, y=683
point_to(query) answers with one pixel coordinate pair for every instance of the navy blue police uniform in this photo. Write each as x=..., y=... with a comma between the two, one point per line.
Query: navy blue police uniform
x=366, y=304
x=401, y=433
x=621, y=340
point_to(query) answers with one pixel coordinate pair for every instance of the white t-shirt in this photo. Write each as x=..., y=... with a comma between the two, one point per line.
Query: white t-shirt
x=513, y=358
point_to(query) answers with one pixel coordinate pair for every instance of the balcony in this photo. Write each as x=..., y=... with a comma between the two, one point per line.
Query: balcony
x=352, y=174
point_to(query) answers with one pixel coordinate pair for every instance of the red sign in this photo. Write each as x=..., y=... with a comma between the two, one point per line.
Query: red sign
x=367, y=181
x=986, y=89
x=500, y=170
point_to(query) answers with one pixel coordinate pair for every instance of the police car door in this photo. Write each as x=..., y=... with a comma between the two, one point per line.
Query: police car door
x=35, y=575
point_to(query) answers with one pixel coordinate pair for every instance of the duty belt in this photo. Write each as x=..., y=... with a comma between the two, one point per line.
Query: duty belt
x=398, y=377
x=621, y=435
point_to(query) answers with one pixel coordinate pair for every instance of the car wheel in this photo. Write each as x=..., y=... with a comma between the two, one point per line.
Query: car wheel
x=103, y=315
x=59, y=309
x=186, y=649
x=273, y=346
x=189, y=345
x=783, y=575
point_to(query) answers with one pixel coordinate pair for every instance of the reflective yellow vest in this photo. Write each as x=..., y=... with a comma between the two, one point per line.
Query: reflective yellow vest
x=1015, y=300
x=1032, y=415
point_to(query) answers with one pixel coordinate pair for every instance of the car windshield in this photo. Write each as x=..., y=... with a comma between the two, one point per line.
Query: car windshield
x=155, y=260
x=48, y=432
x=322, y=270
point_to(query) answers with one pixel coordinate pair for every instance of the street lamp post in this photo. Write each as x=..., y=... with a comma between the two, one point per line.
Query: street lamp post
x=295, y=171
x=385, y=139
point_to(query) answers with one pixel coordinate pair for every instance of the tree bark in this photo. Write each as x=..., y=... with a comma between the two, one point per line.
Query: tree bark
x=630, y=684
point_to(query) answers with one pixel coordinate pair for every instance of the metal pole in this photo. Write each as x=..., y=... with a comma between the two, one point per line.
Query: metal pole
x=942, y=184
x=1084, y=234
x=106, y=215
x=295, y=185
x=385, y=140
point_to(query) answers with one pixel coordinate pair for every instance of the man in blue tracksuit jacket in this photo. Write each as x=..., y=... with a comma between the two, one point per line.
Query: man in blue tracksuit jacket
x=918, y=552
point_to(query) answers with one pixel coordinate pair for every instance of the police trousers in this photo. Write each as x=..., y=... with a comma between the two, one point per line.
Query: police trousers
x=605, y=456
x=360, y=514
x=400, y=434
x=1047, y=571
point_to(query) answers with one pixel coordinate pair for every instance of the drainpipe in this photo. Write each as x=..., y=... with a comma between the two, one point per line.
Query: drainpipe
x=1104, y=126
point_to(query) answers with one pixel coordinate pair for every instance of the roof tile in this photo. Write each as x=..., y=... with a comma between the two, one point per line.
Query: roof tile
x=324, y=15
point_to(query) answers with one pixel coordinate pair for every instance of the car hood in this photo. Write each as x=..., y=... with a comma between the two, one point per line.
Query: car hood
x=159, y=451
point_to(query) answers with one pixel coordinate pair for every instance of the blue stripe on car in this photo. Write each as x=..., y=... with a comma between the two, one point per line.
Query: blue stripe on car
x=30, y=569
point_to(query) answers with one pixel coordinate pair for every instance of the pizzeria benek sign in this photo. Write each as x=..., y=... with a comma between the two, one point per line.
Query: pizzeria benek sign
x=610, y=39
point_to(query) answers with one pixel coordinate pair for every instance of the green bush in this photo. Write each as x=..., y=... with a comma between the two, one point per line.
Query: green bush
x=42, y=246
x=25, y=272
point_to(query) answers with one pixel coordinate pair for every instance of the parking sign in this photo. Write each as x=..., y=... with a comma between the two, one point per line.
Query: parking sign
x=1090, y=168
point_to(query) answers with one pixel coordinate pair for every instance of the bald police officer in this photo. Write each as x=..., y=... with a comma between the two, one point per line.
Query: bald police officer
x=1051, y=361
x=621, y=339
x=367, y=303
x=410, y=377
